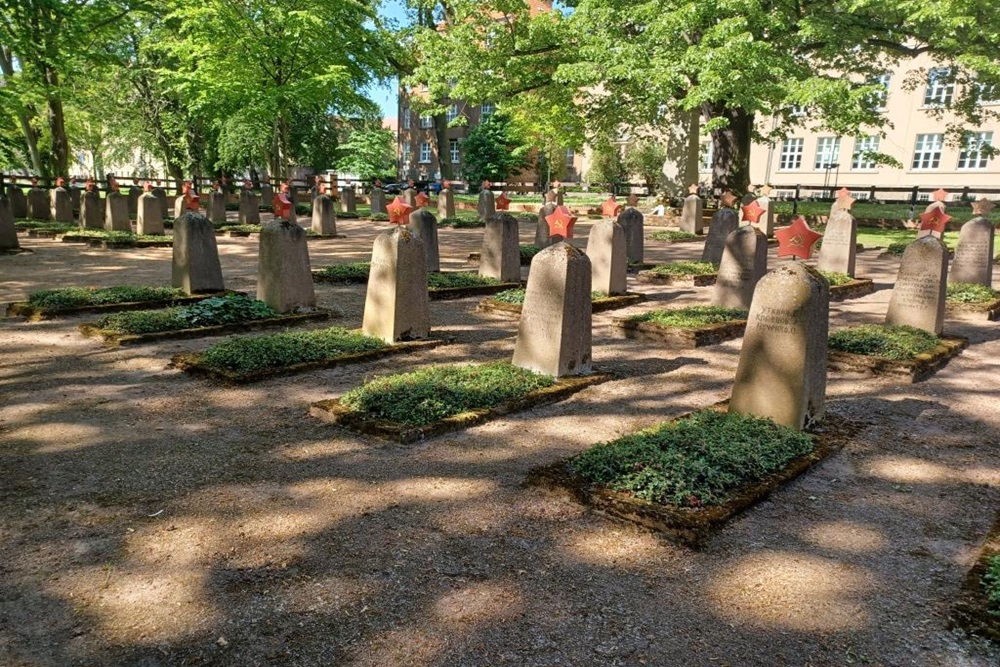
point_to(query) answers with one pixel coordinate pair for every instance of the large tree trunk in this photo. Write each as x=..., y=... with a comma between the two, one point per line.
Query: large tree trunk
x=730, y=147
x=23, y=115
x=57, y=124
x=443, y=152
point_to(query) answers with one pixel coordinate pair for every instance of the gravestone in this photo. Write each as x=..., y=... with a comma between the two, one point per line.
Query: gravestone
x=556, y=196
x=116, y=212
x=348, y=200
x=487, y=206
x=724, y=222
x=61, y=205
x=38, y=204
x=217, y=207
x=8, y=232
x=631, y=221
x=249, y=213
x=397, y=305
x=608, y=258
x=748, y=198
x=284, y=278
x=91, y=210
x=446, y=203
x=378, y=201
x=918, y=297
x=692, y=214
x=974, y=254
x=423, y=224
x=744, y=262
x=161, y=196
x=324, y=219
x=501, y=255
x=410, y=197
x=782, y=369
x=542, y=238
x=840, y=243
x=266, y=195
x=74, y=199
x=196, y=266
x=554, y=334
x=149, y=217
x=766, y=221
x=134, y=192
x=18, y=202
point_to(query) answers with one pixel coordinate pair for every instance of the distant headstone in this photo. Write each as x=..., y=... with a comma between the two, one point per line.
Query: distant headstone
x=74, y=199
x=134, y=192
x=18, y=202
x=378, y=201
x=782, y=369
x=284, y=278
x=397, y=304
x=116, y=212
x=8, y=232
x=424, y=225
x=196, y=266
x=266, y=195
x=744, y=262
x=747, y=199
x=840, y=243
x=161, y=196
x=61, y=205
x=542, y=238
x=487, y=205
x=501, y=255
x=918, y=297
x=608, y=259
x=557, y=196
x=974, y=254
x=217, y=207
x=324, y=219
x=91, y=210
x=249, y=213
x=632, y=222
x=554, y=334
x=446, y=203
x=724, y=222
x=410, y=197
x=348, y=200
x=149, y=218
x=692, y=220
x=766, y=221
x=38, y=204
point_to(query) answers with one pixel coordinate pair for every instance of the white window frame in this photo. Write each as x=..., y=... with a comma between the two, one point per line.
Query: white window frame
x=939, y=91
x=406, y=118
x=454, y=151
x=426, y=121
x=790, y=158
x=827, y=152
x=927, y=150
x=452, y=112
x=706, y=150
x=487, y=109
x=425, y=153
x=885, y=81
x=985, y=92
x=407, y=155
x=867, y=144
x=570, y=157
x=970, y=157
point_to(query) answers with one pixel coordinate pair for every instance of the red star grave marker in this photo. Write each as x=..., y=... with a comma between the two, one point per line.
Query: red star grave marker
x=982, y=206
x=561, y=222
x=283, y=203
x=422, y=200
x=796, y=240
x=399, y=211
x=611, y=208
x=939, y=195
x=752, y=212
x=934, y=221
x=727, y=199
x=502, y=203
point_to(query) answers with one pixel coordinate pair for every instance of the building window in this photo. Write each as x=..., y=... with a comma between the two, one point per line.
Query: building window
x=406, y=152
x=453, y=153
x=988, y=93
x=570, y=157
x=425, y=153
x=452, y=113
x=827, y=152
x=791, y=154
x=863, y=148
x=940, y=87
x=882, y=98
x=798, y=110
x=426, y=121
x=406, y=118
x=705, y=155
x=927, y=151
x=972, y=155
x=487, y=110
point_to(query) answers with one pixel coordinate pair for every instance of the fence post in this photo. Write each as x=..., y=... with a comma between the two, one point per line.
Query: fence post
x=795, y=200
x=871, y=193
x=913, y=200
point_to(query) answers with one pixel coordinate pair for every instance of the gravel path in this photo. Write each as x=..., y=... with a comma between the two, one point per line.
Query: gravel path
x=153, y=519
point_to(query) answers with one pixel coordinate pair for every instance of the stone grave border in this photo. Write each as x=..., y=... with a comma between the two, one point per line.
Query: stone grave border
x=920, y=367
x=971, y=611
x=856, y=288
x=690, y=526
x=38, y=313
x=986, y=310
x=190, y=362
x=685, y=337
x=599, y=306
x=332, y=411
x=16, y=251
x=677, y=279
x=113, y=339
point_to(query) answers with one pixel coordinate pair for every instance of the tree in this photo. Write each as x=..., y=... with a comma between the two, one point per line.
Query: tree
x=368, y=153
x=606, y=165
x=493, y=152
x=645, y=158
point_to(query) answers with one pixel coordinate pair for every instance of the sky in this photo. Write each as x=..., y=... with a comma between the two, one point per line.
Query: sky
x=385, y=95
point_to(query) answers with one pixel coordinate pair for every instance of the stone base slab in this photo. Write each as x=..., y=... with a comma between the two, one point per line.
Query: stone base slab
x=852, y=290
x=687, y=337
x=678, y=280
x=988, y=311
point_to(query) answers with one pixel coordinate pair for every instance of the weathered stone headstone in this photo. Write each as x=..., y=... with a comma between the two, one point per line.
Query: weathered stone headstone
x=744, y=262
x=918, y=297
x=266, y=195
x=8, y=232
x=92, y=210
x=161, y=197
x=501, y=255
x=424, y=225
x=18, y=202
x=840, y=243
x=378, y=201
x=249, y=212
x=38, y=204
x=217, y=207
x=446, y=203
x=116, y=212
x=542, y=238
x=782, y=369
x=410, y=197
x=149, y=218
x=196, y=266
x=747, y=198
x=608, y=258
x=134, y=192
x=632, y=222
x=74, y=199
x=284, y=276
x=557, y=195
x=692, y=213
x=324, y=218
x=766, y=221
x=397, y=304
x=554, y=334
x=974, y=254
x=348, y=200
x=61, y=204
x=487, y=206
x=724, y=222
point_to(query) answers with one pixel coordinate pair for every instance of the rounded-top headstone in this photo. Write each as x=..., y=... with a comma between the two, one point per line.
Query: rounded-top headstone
x=840, y=244
x=744, y=262
x=918, y=297
x=632, y=221
x=196, y=266
x=284, y=277
x=38, y=204
x=974, y=254
x=692, y=215
x=61, y=204
x=446, y=203
x=91, y=210
x=377, y=201
x=18, y=202
x=724, y=222
x=116, y=218
x=149, y=215
x=424, y=225
x=487, y=205
x=542, y=238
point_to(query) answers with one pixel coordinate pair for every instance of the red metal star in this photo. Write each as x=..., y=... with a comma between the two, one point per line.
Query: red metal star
x=727, y=199
x=753, y=211
x=502, y=202
x=90, y=185
x=113, y=184
x=561, y=222
x=60, y=182
x=797, y=239
x=190, y=196
x=843, y=192
x=422, y=200
x=939, y=195
x=147, y=186
x=611, y=208
x=934, y=220
x=283, y=203
x=399, y=211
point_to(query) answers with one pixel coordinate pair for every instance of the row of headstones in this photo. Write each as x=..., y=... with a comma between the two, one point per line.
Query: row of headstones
x=692, y=213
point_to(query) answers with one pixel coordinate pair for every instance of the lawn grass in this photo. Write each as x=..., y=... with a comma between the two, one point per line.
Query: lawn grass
x=245, y=354
x=899, y=343
x=516, y=296
x=690, y=317
x=871, y=211
x=119, y=236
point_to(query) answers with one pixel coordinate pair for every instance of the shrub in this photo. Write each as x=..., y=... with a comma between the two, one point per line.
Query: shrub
x=118, y=236
x=529, y=251
x=991, y=584
x=73, y=297
x=692, y=316
x=461, y=223
x=380, y=216
x=450, y=280
x=970, y=293
x=351, y=271
x=886, y=341
x=426, y=396
x=695, y=461
x=836, y=277
x=239, y=228
x=209, y=312
x=685, y=268
x=348, y=215
x=671, y=236
x=515, y=296
x=249, y=353
x=897, y=248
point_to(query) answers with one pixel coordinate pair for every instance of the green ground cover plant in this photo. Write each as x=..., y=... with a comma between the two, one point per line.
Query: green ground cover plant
x=970, y=293
x=75, y=297
x=691, y=317
x=516, y=296
x=461, y=222
x=836, y=278
x=348, y=271
x=244, y=354
x=380, y=216
x=118, y=236
x=218, y=310
x=528, y=251
x=41, y=225
x=685, y=268
x=672, y=236
x=453, y=280
x=429, y=395
x=694, y=461
x=882, y=340
x=991, y=584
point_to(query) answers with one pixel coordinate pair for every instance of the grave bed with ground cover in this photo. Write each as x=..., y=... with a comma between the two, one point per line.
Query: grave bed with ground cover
x=694, y=326
x=98, y=238
x=843, y=286
x=415, y=406
x=977, y=610
x=458, y=285
x=69, y=301
x=671, y=236
x=681, y=274
x=245, y=359
x=687, y=477
x=510, y=302
x=527, y=254
x=244, y=231
x=968, y=301
x=900, y=352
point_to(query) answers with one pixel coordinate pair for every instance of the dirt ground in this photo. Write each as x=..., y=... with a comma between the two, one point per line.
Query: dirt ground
x=153, y=519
